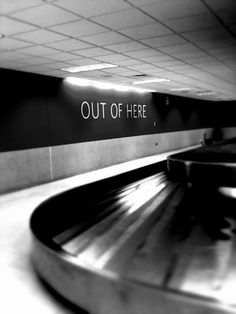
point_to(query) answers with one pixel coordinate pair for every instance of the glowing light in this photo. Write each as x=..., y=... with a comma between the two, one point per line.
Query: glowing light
x=102, y=85
x=181, y=89
x=206, y=93
x=121, y=88
x=105, y=85
x=228, y=191
x=90, y=67
x=77, y=81
x=154, y=80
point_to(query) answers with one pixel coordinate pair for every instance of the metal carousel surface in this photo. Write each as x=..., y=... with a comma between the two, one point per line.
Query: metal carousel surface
x=159, y=239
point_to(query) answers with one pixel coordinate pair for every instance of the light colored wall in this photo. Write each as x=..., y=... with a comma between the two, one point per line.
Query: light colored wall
x=69, y=160
x=25, y=168
x=229, y=132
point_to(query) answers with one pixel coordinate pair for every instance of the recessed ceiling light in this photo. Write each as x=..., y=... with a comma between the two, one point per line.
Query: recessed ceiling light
x=154, y=80
x=181, y=89
x=89, y=67
x=1, y=35
x=104, y=85
x=206, y=93
x=77, y=81
x=101, y=85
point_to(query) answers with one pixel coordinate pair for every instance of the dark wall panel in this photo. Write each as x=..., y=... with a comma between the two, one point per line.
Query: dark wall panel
x=23, y=118
x=38, y=111
x=87, y=114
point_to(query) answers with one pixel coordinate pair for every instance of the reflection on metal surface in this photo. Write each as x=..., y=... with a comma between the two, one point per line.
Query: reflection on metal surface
x=148, y=243
x=159, y=233
x=139, y=196
x=228, y=191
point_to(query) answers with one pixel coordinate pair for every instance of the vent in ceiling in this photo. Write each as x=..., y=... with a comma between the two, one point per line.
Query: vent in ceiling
x=140, y=75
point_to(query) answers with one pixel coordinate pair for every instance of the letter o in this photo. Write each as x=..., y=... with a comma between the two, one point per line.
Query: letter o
x=82, y=109
x=114, y=116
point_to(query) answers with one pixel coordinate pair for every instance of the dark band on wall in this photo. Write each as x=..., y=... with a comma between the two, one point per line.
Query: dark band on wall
x=41, y=111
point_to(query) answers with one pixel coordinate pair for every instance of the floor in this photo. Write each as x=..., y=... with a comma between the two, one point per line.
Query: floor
x=21, y=289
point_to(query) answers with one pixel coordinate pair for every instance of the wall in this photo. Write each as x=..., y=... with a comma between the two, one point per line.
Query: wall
x=48, y=130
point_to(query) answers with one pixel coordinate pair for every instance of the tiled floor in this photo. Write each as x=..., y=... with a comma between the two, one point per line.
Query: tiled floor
x=21, y=290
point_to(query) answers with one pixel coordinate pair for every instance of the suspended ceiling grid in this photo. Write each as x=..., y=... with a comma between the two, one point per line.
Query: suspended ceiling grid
x=190, y=43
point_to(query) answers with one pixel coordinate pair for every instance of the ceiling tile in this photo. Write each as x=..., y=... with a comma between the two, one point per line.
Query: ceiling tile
x=227, y=15
x=220, y=51
x=147, y=52
x=126, y=47
x=227, y=57
x=168, y=9
x=62, y=56
x=93, y=7
x=178, y=78
x=12, y=44
x=170, y=63
x=129, y=61
x=11, y=64
x=7, y=6
x=141, y=2
x=121, y=62
x=210, y=65
x=45, y=15
x=112, y=58
x=146, y=31
x=11, y=55
x=69, y=45
x=196, y=61
x=219, y=4
x=40, y=36
x=39, y=68
x=93, y=52
x=79, y=28
x=232, y=28
x=203, y=77
x=141, y=67
x=163, y=41
x=123, y=19
x=34, y=60
x=37, y=51
x=95, y=74
x=129, y=73
x=56, y=73
x=188, y=55
x=118, y=70
x=183, y=68
x=104, y=39
x=217, y=43
x=157, y=59
x=192, y=23
x=9, y=26
x=83, y=61
x=155, y=72
x=59, y=65
x=207, y=34
x=178, y=48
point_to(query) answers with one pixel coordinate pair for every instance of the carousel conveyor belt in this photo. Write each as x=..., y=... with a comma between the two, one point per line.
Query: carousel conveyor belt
x=154, y=235
x=139, y=244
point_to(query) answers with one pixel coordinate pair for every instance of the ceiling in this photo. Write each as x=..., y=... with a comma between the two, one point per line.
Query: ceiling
x=190, y=43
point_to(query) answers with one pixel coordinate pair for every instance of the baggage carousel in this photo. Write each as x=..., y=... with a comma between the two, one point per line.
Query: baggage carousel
x=159, y=239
